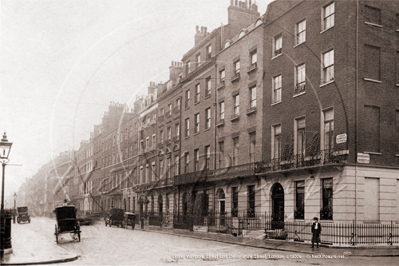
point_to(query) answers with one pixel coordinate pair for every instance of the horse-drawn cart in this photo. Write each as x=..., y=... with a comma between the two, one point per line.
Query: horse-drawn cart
x=67, y=222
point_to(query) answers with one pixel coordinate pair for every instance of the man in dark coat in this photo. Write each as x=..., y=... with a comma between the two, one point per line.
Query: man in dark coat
x=316, y=229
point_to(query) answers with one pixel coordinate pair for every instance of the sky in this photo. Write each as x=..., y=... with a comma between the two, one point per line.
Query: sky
x=63, y=62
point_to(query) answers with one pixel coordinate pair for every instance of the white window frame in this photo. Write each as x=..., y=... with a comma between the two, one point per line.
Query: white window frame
x=300, y=123
x=197, y=123
x=222, y=74
x=328, y=66
x=169, y=133
x=221, y=108
x=208, y=118
x=276, y=140
x=198, y=58
x=300, y=32
x=197, y=92
x=328, y=16
x=187, y=125
x=277, y=45
x=254, y=57
x=277, y=89
x=237, y=66
x=252, y=97
x=236, y=101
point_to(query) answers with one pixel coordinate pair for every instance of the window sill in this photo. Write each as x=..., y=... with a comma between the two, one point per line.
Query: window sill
x=208, y=96
x=186, y=137
x=275, y=103
x=373, y=80
x=197, y=102
x=220, y=123
x=187, y=108
x=325, y=84
x=252, y=69
x=276, y=56
x=195, y=134
x=326, y=221
x=397, y=155
x=372, y=153
x=397, y=30
x=326, y=29
x=397, y=85
x=207, y=129
x=234, y=118
x=373, y=24
x=296, y=45
x=299, y=94
x=251, y=110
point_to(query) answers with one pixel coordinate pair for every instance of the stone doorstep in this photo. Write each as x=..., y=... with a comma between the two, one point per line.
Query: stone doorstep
x=201, y=229
x=6, y=251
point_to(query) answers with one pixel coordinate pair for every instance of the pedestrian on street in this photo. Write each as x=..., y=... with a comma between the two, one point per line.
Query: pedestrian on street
x=316, y=229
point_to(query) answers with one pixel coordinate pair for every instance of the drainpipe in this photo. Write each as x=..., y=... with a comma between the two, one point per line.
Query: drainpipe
x=357, y=102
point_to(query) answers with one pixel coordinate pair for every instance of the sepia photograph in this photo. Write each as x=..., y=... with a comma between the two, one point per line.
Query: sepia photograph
x=199, y=132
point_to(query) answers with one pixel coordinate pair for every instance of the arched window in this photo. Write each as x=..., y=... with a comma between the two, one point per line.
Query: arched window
x=258, y=22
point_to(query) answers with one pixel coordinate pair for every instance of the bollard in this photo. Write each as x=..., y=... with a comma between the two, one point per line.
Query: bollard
x=5, y=230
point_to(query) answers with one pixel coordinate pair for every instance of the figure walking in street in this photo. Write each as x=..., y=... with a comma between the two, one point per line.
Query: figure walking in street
x=316, y=229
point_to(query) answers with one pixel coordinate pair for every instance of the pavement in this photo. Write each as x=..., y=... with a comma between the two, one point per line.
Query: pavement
x=283, y=245
x=29, y=247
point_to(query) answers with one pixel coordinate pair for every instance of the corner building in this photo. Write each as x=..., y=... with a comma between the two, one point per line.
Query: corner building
x=330, y=111
x=280, y=117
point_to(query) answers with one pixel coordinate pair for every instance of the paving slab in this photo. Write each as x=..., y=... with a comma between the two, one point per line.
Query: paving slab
x=286, y=245
x=30, y=247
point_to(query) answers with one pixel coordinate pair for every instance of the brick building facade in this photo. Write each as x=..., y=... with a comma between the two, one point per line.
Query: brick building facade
x=293, y=114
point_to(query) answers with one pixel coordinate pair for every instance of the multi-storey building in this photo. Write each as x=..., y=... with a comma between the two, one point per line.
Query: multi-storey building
x=294, y=114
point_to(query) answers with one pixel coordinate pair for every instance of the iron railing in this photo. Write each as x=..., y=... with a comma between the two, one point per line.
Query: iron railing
x=300, y=160
x=332, y=233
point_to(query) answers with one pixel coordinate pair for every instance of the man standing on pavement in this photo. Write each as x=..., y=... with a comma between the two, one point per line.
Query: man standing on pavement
x=316, y=229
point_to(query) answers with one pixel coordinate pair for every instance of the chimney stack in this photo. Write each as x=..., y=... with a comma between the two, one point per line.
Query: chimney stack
x=200, y=35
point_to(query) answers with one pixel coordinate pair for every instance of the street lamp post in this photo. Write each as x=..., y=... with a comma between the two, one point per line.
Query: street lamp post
x=15, y=207
x=5, y=222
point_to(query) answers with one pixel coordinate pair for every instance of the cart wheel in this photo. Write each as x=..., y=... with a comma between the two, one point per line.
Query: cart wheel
x=56, y=234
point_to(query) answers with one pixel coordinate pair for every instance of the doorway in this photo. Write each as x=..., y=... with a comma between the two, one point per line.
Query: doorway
x=277, y=206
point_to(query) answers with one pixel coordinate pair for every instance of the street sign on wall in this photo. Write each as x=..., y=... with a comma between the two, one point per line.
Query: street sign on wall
x=341, y=138
x=363, y=158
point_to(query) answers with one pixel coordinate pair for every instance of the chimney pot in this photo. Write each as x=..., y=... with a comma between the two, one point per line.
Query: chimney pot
x=197, y=28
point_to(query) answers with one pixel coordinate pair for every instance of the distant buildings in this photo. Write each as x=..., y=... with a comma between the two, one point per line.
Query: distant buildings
x=292, y=114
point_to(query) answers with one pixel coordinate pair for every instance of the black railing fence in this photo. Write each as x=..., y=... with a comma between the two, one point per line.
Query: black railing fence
x=332, y=233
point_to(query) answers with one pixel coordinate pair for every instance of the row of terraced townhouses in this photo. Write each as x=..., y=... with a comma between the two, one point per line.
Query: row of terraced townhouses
x=292, y=114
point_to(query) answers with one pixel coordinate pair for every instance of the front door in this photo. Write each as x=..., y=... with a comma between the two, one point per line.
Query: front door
x=277, y=207
x=222, y=207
